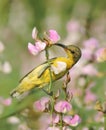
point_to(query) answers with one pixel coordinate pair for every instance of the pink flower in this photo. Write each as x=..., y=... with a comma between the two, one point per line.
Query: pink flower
x=41, y=104
x=74, y=91
x=66, y=128
x=32, y=49
x=6, y=67
x=1, y=47
x=53, y=128
x=55, y=118
x=62, y=106
x=98, y=117
x=73, y=26
x=7, y=102
x=34, y=33
x=89, y=97
x=13, y=120
x=89, y=70
x=38, y=47
x=72, y=121
x=44, y=121
x=91, y=43
x=87, y=54
x=101, y=55
x=53, y=36
x=85, y=128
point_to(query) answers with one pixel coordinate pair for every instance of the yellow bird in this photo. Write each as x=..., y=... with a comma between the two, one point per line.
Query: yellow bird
x=40, y=76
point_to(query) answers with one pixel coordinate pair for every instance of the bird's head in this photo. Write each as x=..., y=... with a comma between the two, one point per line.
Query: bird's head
x=72, y=51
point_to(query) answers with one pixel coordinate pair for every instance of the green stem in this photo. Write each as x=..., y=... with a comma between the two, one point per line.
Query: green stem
x=104, y=121
x=61, y=121
x=47, y=57
x=52, y=107
x=50, y=85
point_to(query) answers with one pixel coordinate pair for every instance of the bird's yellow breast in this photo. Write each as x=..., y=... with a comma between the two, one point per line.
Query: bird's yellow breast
x=69, y=61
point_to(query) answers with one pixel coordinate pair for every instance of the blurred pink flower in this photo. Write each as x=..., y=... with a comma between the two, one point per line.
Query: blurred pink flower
x=73, y=26
x=85, y=128
x=34, y=33
x=98, y=117
x=74, y=91
x=13, y=120
x=45, y=120
x=38, y=47
x=41, y=104
x=101, y=55
x=53, y=36
x=32, y=49
x=66, y=128
x=7, y=102
x=89, y=70
x=55, y=118
x=53, y=128
x=62, y=106
x=91, y=43
x=89, y=97
x=72, y=120
x=1, y=47
x=6, y=67
x=87, y=54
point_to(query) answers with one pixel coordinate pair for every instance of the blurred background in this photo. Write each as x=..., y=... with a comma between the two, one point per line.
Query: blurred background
x=74, y=20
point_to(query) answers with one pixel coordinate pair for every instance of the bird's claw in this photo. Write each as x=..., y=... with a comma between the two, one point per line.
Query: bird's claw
x=47, y=92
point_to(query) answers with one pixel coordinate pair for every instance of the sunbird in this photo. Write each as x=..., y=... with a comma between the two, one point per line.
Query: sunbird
x=40, y=76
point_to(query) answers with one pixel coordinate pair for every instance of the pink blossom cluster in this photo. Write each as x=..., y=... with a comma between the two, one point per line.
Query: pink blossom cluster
x=60, y=107
x=51, y=37
x=92, y=51
x=87, y=69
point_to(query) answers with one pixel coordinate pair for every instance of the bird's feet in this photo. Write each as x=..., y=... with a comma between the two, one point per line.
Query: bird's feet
x=47, y=92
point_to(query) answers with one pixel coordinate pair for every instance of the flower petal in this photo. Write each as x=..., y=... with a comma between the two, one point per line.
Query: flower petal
x=32, y=49
x=72, y=121
x=75, y=120
x=41, y=104
x=91, y=44
x=40, y=45
x=34, y=33
x=54, y=36
x=62, y=106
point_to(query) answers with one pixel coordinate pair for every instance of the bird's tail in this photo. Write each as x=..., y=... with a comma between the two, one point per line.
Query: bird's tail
x=15, y=93
x=21, y=89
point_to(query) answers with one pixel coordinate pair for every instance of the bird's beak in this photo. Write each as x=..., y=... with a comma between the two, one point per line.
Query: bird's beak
x=61, y=45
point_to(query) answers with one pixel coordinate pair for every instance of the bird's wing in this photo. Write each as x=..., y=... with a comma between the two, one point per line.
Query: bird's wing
x=46, y=65
x=43, y=70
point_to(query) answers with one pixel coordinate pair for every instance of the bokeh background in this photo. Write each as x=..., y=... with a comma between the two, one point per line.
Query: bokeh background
x=19, y=17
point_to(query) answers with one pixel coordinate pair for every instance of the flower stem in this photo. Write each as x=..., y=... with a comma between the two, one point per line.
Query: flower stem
x=104, y=121
x=50, y=85
x=61, y=121
x=47, y=57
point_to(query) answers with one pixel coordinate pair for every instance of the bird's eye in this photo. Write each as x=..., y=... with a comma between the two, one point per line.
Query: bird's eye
x=73, y=52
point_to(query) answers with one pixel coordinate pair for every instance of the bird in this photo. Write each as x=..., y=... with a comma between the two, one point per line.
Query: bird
x=39, y=76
